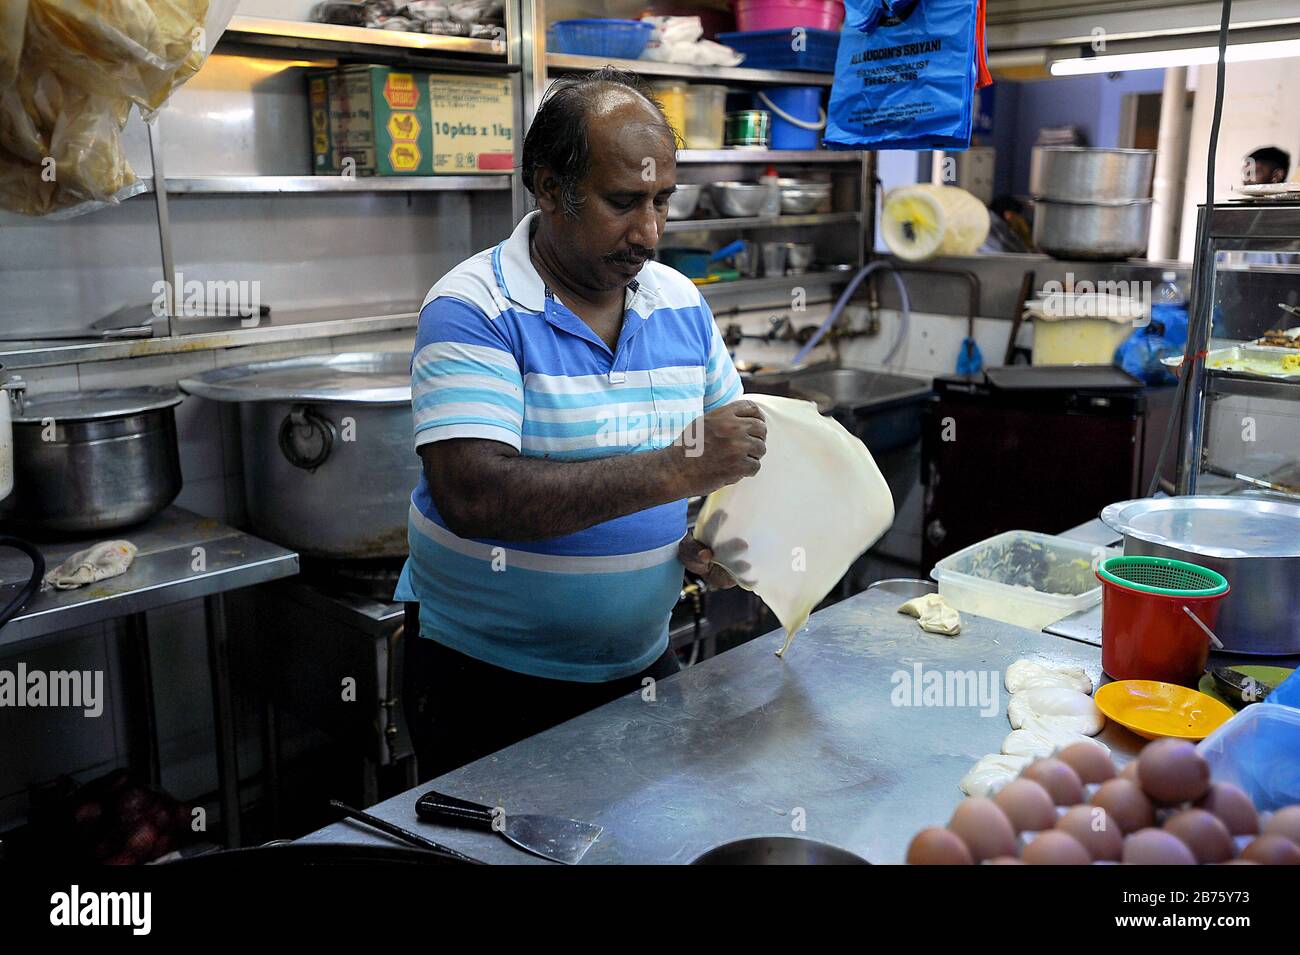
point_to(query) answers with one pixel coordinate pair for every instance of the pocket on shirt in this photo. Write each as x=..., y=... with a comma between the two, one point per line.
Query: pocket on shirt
x=678, y=398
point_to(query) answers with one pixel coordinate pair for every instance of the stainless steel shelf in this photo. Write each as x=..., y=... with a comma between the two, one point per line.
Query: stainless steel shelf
x=571, y=63
x=264, y=185
x=204, y=334
x=761, y=222
x=1221, y=382
x=766, y=156
x=307, y=37
x=781, y=283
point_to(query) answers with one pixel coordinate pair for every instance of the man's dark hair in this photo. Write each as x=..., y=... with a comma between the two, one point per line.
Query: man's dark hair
x=557, y=139
x=1278, y=158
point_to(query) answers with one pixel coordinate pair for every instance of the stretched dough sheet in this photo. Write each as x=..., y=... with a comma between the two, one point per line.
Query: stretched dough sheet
x=816, y=504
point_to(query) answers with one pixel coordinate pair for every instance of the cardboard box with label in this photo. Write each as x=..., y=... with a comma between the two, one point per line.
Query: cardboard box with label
x=384, y=121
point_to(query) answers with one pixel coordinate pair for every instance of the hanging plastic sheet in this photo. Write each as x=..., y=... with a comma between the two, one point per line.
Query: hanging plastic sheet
x=906, y=74
x=70, y=71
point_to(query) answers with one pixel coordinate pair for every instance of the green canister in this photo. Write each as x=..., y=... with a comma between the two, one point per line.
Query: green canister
x=748, y=129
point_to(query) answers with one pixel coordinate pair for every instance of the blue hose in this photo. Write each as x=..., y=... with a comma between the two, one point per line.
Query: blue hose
x=905, y=312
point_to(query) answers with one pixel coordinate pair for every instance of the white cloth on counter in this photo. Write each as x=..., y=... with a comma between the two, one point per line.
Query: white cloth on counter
x=104, y=560
x=678, y=40
x=934, y=615
x=817, y=502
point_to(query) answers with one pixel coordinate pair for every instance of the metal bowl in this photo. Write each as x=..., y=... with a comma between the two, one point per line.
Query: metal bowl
x=682, y=203
x=739, y=199
x=802, y=196
x=778, y=850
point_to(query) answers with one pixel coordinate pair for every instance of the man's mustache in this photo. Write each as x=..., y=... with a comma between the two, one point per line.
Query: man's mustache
x=627, y=256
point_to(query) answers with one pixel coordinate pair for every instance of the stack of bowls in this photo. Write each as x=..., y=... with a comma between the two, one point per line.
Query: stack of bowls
x=1091, y=203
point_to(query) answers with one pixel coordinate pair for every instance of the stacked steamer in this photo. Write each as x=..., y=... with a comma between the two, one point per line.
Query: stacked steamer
x=1091, y=203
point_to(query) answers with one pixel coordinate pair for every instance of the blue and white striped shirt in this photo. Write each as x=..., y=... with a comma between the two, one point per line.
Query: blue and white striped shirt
x=497, y=357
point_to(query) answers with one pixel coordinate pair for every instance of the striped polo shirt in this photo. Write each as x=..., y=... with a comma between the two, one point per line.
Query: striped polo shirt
x=498, y=357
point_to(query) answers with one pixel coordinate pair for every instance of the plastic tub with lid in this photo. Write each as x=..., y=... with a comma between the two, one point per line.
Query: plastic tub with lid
x=1023, y=578
x=785, y=14
x=706, y=105
x=671, y=95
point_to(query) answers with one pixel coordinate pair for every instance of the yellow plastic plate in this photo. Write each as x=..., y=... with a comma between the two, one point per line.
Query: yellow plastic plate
x=1152, y=709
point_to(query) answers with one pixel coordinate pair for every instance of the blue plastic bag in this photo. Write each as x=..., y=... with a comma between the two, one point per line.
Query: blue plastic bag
x=905, y=75
x=1140, y=355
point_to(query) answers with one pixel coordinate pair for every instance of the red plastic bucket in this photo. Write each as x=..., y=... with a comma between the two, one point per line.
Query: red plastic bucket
x=787, y=14
x=1149, y=636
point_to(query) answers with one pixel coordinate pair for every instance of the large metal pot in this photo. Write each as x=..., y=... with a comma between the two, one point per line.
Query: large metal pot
x=86, y=462
x=1092, y=230
x=328, y=462
x=1085, y=174
x=1253, y=542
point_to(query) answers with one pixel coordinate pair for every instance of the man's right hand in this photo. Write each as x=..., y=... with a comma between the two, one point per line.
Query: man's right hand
x=721, y=447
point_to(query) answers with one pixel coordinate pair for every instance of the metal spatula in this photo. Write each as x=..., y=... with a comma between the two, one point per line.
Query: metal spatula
x=560, y=840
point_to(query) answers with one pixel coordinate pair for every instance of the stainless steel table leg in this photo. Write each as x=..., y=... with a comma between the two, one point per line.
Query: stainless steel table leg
x=223, y=712
x=142, y=719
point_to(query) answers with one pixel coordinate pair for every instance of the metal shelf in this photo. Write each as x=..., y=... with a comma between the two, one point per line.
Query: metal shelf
x=772, y=283
x=270, y=185
x=1221, y=382
x=572, y=63
x=455, y=52
x=761, y=222
x=766, y=156
x=204, y=334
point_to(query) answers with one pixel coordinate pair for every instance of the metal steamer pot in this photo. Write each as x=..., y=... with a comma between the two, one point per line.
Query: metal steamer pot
x=328, y=464
x=1091, y=203
x=1254, y=542
x=86, y=462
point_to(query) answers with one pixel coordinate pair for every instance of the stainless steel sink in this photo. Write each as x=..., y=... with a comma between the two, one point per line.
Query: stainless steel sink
x=854, y=389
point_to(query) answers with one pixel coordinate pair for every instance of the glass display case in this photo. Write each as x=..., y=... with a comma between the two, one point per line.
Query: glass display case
x=1241, y=403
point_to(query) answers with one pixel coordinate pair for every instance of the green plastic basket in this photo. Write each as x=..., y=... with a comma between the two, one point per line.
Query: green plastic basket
x=1163, y=575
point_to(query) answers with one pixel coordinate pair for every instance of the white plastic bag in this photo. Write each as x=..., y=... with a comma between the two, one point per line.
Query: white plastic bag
x=816, y=504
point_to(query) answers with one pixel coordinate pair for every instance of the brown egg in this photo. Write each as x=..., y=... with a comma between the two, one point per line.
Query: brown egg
x=936, y=846
x=1092, y=828
x=1130, y=771
x=1241, y=862
x=1233, y=807
x=1061, y=782
x=1089, y=760
x=1125, y=802
x=1055, y=848
x=984, y=828
x=1204, y=833
x=1028, y=806
x=1156, y=847
x=1286, y=823
x=1172, y=772
x=1272, y=850
x=1004, y=860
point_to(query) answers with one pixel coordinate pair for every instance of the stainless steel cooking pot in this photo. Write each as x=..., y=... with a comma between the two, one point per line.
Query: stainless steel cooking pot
x=1092, y=230
x=1086, y=174
x=1254, y=542
x=328, y=461
x=86, y=462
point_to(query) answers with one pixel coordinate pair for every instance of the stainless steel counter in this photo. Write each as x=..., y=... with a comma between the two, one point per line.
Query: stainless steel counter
x=164, y=572
x=181, y=556
x=747, y=744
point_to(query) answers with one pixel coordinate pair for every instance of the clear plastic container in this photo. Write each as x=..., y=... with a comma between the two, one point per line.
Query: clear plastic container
x=1258, y=750
x=1023, y=578
x=671, y=95
x=706, y=105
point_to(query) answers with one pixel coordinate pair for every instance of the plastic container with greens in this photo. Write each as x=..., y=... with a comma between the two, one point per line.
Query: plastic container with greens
x=1022, y=578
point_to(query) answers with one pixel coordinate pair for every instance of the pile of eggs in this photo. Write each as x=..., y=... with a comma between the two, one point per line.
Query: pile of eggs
x=1075, y=809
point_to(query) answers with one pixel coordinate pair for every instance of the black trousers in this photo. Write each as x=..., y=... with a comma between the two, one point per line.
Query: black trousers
x=460, y=709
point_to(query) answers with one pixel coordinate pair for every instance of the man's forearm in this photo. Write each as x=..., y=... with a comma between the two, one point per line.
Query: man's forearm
x=529, y=498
